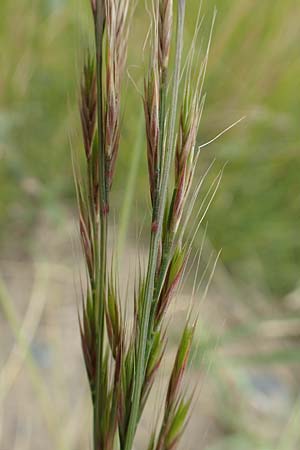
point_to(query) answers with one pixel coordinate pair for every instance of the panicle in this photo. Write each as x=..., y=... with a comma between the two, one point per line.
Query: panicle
x=122, y=360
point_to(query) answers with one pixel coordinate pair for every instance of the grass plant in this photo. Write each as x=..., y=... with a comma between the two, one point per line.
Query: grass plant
x=122, y=362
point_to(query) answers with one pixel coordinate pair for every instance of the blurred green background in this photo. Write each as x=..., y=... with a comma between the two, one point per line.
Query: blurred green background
x=253, y=71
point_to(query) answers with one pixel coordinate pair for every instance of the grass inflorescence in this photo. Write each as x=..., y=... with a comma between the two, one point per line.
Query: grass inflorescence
x=122, y=362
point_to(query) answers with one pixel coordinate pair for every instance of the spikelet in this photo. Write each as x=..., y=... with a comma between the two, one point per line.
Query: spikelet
x=88, y=104
x=165, y=19
x=117, y=35
x=186, y=156
x=176, y=405
x=151, y=110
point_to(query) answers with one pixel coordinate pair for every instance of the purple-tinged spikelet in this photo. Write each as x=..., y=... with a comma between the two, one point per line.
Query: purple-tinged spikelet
x=176, y=406
x=151, y=109
x=185, y=157
x=164, y=32
x=88, y=104
x=117, y=34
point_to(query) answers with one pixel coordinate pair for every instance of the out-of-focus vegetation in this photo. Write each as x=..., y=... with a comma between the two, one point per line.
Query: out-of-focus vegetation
x=38, y=76
x=253, y=71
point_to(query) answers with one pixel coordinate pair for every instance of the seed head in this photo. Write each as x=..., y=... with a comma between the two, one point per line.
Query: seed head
x=156, y=355
x=176, y=406
x=88, y=339
x=117, y=35
x=185, y=157
x=165, y=19
x=171, y=282
x=151, y=109
x=113, y=319
x=88, y=104
x=179, y=366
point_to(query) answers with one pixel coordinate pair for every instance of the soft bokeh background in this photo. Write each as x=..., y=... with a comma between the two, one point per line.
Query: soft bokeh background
x=247, y=356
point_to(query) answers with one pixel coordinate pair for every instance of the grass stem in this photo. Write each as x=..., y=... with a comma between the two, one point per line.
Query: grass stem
x=101, y=232
x=155, y=242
